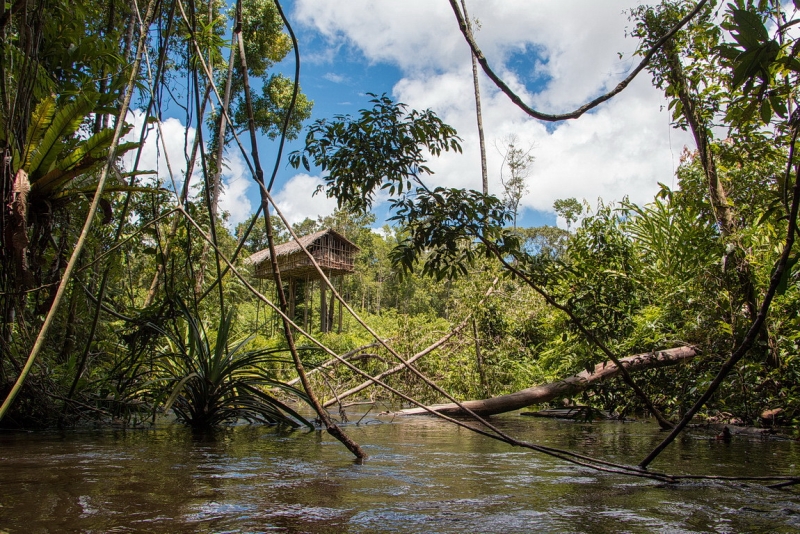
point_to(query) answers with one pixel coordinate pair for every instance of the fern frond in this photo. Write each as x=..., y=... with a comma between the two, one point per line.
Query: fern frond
x=87, y=156
x=90, y=190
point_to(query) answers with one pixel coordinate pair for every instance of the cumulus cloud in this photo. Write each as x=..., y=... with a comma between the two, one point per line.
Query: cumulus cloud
x=297, y=201
x=555, y=55
x=236, y=185
x=395, y=32
x=166, y=151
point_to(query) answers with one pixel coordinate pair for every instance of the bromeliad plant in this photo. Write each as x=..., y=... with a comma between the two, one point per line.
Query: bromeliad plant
x=55, y=164
x=213, y=382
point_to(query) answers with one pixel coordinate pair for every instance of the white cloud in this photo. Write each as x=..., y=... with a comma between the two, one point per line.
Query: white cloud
x=296, y=199
x=161, y=154
x=171, y=153
x=335, y=78
x=237, y=182
x=556, y=55
x=394, y=32
x=625, y=148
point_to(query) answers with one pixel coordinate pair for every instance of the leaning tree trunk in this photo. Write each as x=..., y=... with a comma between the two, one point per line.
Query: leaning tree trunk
x=722, y=207
x=562, y=388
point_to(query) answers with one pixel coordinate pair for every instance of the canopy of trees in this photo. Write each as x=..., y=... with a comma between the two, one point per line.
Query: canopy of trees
x=122, y=294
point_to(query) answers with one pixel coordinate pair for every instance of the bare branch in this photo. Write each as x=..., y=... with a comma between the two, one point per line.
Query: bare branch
x=462, y=23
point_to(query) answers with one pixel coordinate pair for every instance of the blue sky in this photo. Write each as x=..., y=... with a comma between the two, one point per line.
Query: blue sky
x=556, y=54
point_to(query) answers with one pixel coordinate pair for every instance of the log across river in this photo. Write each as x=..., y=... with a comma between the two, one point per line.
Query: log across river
x=562, y=388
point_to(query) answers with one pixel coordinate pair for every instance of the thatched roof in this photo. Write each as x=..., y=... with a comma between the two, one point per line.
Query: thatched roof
x=334, y=253
x=293, y=246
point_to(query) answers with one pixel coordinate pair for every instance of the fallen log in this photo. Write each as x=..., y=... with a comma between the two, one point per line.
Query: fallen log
x=562, y=388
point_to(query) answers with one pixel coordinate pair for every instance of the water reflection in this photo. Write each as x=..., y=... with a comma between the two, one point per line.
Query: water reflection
x=423, y=476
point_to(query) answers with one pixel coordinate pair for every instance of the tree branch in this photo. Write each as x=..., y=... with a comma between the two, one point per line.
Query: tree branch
x=478, y=54
x=755, y=328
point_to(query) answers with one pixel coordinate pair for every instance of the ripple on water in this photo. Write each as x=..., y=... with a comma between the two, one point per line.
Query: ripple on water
x=423, y=476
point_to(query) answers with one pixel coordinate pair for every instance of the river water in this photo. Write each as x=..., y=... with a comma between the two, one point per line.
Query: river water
x=423, y=475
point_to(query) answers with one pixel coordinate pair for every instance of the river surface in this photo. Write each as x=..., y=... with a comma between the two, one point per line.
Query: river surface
x=423, y=475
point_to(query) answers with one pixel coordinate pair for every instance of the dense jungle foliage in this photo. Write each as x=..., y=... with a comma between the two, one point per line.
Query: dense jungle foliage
x=152, y=319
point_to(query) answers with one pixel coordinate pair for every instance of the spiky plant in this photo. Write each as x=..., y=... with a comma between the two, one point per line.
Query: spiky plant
x=216, y=382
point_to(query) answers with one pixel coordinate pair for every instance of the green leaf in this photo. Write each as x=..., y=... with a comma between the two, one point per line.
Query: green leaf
x=790, y=62
x=787, y=274
x=779, y=106
x=729, y=52
x=769, y=212
x=40, y=121
x=65, y=122
x=766, y=112
x=751, y=28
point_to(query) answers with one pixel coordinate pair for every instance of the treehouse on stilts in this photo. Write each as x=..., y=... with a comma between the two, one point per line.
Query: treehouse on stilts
x=335, y=255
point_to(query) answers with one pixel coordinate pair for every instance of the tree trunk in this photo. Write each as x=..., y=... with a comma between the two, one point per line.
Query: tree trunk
x=479, y=358
x=339, y=328
x=310, y=306
x=216, y=180
x=306, y=302
x=476, y=84
x=723, y=211
x=173, y=230
x=323, y=307
x=292, y=296
x=562, y=388
x=331, y=310
x=722, y=208
x=68, y=342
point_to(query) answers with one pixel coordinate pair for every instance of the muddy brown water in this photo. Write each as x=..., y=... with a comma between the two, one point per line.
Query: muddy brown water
x=423, y=475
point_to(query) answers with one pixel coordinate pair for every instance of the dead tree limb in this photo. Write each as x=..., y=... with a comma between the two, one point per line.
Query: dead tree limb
x=397, y=368
x=563, y=388
x=404, y=365
x=352, y=355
